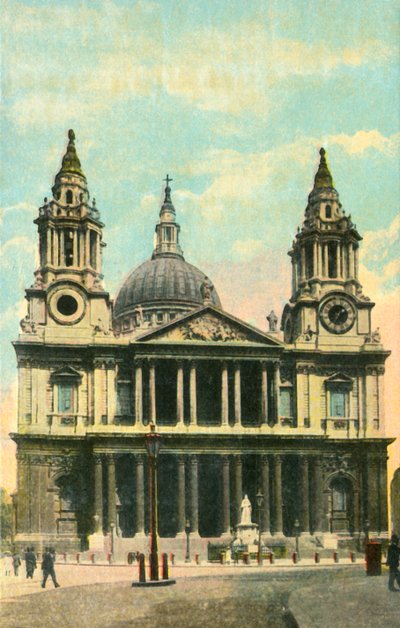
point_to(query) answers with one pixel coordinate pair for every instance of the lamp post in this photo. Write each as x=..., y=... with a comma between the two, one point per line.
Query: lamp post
x=366, y=530
x=153, y=444
x=297, y=532
x=260, y=499
x=187, y=530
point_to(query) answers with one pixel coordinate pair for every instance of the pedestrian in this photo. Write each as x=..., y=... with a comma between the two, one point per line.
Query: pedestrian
x=48, y=567
x=8, y=564
x=30, y=562
x=16, y=563
x=392, y=561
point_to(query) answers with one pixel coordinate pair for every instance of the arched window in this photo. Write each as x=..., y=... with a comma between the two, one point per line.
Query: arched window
x=328, y=211
x=68, y=197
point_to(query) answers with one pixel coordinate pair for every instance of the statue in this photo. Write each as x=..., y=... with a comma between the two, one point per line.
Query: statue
x=206, y=289
x=272, y=320
x=376, y=336
x=245, y=511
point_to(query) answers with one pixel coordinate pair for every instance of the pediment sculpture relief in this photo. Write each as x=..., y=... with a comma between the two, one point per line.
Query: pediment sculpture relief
x=211, y=329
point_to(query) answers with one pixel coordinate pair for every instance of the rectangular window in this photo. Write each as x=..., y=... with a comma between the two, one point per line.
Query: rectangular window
x=339, y=499
x=285, y=403
x=66, y=398
x=124, y=398
x=338, y=403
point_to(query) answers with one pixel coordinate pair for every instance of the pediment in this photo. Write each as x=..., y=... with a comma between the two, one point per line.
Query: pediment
x=339, y=378
x=209, y=324
x=65, y=373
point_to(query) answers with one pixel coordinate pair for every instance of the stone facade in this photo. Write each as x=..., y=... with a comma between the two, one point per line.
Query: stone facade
x=238, y=409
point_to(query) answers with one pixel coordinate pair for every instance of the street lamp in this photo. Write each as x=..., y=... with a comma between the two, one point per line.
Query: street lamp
x=260, y=499
x=187, y=530
x=297, y=532
x=153, y=444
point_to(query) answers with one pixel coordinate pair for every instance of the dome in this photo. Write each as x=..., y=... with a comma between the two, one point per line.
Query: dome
x=162, y=282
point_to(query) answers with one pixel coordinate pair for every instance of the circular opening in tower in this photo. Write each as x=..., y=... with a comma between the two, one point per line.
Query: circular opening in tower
x=67, y=305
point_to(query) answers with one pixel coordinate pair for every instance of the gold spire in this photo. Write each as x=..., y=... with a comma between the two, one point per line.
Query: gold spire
x=323, y=178
x=70, y=163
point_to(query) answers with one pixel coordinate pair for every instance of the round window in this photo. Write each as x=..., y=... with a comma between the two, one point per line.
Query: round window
x=67, y=305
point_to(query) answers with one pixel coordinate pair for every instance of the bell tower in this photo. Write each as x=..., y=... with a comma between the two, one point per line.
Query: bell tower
x=68, y=292
x=70, y=231
x=327, y=305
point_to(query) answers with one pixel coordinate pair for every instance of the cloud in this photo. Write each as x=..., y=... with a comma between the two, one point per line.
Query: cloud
x=378, y=243
x=19, y=207
x=8, y=423
x=246, y=249
x=364, y=140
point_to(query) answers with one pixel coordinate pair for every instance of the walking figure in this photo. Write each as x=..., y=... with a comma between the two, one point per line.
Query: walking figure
x=392, y=561
x=30, y=562
x=16, y=563
x=48, y=567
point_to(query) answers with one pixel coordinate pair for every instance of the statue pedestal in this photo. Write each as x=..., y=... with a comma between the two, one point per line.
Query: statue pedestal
x=246, y=534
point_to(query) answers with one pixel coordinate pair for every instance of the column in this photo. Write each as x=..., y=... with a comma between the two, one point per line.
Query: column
x=224, y=395
x=305, y=511
x=265, y=514
x=226, y=501
x=138, y=393
x=278, y=495
x=318, y=497
x=87, y=247
x=181, y=495
x=179, y=393
x=48, y=246
x=343, y=260
x=238, y=487
x=194, y=495
x=383, y=498
x=276, y=391
x=98, y=391
x=337, y=259
x=152, y=391
x=238, y=394
x=98, y=493
x=303, y=264
x=319, y=249
x=62, y=249
x=111, y=489
x=351, y=261
x=193, y=393
x=356, y=263
x=98, y=253
x=56, y=248
x=75, y=248
x=315, y=260
x=81, y=249
x=139, y=459
x=264, y=393
x=111, y=393
x=326, y=260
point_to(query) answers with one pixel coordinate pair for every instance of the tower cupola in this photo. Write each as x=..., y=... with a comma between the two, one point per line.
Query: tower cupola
x=167, y=230
x=70, y=230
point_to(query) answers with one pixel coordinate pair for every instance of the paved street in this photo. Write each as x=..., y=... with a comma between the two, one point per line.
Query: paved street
x=338, y=596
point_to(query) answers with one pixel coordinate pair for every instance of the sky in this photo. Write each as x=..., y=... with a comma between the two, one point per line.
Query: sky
x=233, y=100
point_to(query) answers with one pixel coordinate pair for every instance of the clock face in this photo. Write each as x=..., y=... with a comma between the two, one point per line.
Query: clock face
x=337, y=315
x=66, y=305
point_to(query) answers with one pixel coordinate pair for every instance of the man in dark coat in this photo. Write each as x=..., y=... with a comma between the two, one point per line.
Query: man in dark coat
x=48, y=568
x=393, y=558
x=30, y=562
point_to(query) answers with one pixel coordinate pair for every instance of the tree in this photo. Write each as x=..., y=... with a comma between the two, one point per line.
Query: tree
x=5, y=519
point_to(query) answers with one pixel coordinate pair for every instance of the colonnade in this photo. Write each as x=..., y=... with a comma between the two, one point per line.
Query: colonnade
x=344, y=262
x=188, y=387
x=84, y=252
x=310, y=510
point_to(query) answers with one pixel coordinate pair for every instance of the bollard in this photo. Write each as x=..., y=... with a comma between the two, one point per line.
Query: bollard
x=165, y=575
x=93, y=558
x=78, y=557
x=352, y=557
x=172, y=558
x=65, y=557
x=197, y=559
x=109, y=558
x=129, y=558
x=271, y=558
x=294, y=558
x=317, y=557
x=222, y=557
x=246, y=558
x=142, y=568
x=336, y=557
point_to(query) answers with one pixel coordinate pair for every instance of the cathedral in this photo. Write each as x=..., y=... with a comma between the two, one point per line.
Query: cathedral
x=295, y=413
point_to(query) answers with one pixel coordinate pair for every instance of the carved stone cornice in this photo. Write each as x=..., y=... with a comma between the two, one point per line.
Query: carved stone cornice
x=104, y=363
x=375, y=370
x=339, y=463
